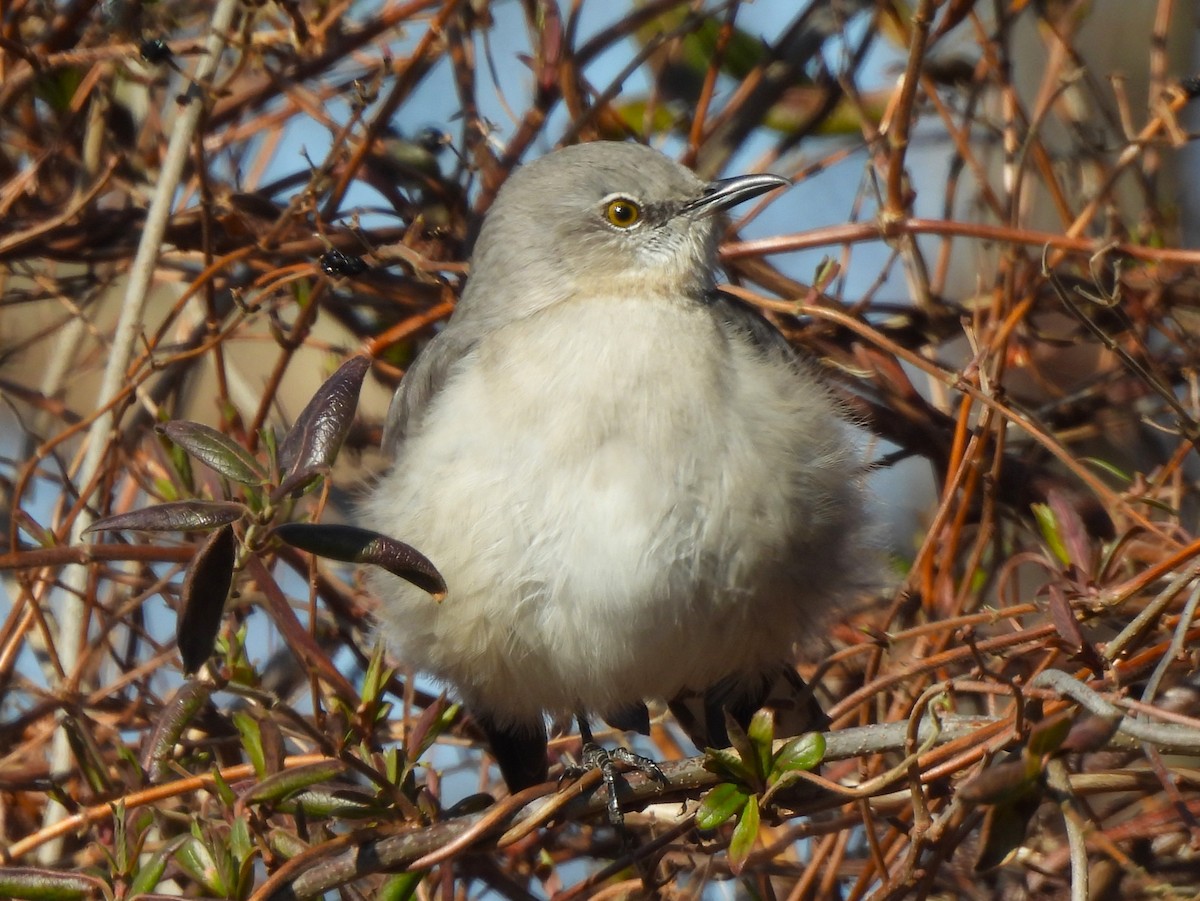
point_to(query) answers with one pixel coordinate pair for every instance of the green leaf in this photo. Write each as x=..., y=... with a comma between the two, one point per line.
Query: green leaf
x=637, y=116
x=804, y=752
x=221, y=788
x=744, y=747
x=721, y=802
x=150, y=873
x=285, y=843
x=289, y=782
x=57, y=87
x=240, y=842
x=392, y=758
x=329, y=803
x=47, y=885
x=376, y=677
x=251, y=734
x=1104, y=466
x=1047, y=736
x=400, y=887
x=198, y=861
x=745, y=834
x=761, y=733
x=728, y=765
x=87, y=755
x=1049, y=528
x=215, y=449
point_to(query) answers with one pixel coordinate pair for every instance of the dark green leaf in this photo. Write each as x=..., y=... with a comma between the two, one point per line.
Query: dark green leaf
x=205, y=589
x=326, y=803
x=1048, y=735
x=289, y=782
x=174, y=717
x=47, y=885
x=57, y=86
x=721, y=802
x=87, y=755
x=222, y=789
x=150, y=873
x=744, y=746
x=177, y=516
x=218, y=451
x=286, y=843
x=476, y=803
x=728, y=765
x=1003, y=832
x=317, y=435
x=354, y=545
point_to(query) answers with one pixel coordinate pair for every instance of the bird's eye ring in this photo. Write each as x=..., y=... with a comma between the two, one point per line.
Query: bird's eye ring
x=622, y=212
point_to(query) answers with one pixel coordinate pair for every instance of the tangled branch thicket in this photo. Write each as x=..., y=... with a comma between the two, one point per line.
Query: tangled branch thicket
x=206, y=209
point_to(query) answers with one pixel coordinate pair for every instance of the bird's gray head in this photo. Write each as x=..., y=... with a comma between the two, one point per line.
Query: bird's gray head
x=606, y=216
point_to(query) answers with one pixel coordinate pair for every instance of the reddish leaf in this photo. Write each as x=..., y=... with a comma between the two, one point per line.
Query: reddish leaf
x=354, y=545
x=205, y=590
x=1091, y=733
x=1002, y=782
x=1071, y=530
x=177, y=516
x=317, y=435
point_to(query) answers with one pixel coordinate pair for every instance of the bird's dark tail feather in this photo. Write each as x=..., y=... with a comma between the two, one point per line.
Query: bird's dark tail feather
x=702, y=714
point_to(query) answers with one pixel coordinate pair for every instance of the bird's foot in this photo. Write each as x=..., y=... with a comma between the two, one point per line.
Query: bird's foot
x=596, y=757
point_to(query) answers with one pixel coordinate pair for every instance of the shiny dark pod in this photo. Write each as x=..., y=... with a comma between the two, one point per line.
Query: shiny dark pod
x=336, y=264
x=155, y=51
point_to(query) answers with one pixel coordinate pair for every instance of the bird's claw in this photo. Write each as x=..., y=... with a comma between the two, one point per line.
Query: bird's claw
x=599, y=758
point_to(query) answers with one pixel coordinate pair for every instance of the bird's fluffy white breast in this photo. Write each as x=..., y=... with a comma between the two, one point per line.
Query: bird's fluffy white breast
x=587, y=566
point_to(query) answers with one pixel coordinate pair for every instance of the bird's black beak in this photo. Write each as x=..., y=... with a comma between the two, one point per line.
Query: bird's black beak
x=726, y=192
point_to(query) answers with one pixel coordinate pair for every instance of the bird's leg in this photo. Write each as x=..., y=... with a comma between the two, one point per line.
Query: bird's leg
x=597, y=758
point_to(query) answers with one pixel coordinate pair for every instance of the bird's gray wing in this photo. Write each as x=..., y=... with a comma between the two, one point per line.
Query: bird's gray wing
x=747, y=319
x=421, y=383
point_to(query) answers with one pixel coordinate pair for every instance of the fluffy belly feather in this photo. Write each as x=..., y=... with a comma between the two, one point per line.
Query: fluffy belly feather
x=587, y=567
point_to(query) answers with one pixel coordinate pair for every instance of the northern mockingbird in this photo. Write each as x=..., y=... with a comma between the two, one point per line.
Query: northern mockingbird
x=632, y=485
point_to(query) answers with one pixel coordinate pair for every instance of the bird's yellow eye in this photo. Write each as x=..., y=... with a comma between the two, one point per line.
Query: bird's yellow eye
x=622, y=212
